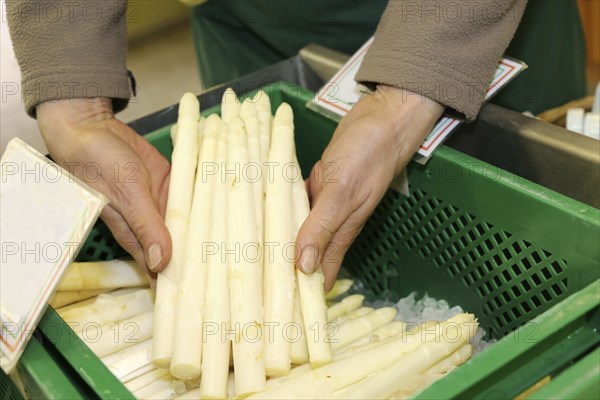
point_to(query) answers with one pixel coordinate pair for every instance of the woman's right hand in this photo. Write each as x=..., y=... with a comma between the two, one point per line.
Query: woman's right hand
x=84, y=137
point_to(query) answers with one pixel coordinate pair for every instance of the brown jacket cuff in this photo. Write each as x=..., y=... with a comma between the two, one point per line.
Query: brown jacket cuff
x=449, y=60
x=64, y=85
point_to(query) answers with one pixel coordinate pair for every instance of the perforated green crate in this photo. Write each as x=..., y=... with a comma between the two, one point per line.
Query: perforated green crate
x=502, y=247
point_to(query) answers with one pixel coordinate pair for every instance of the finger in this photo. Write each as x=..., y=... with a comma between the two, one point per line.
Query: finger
x=137, y=207
x=124, y=236
x=330, y=211
x=337, y=249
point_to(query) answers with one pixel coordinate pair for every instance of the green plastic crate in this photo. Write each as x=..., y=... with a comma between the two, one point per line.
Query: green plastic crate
x=502, y=247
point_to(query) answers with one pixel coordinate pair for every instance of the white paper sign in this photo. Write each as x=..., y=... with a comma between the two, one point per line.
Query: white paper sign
x=46, y=214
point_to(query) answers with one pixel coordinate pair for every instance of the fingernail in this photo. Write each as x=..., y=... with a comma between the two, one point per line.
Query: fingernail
x=155, y=256
x=308, y=259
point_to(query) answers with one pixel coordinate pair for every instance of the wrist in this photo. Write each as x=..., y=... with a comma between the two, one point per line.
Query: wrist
x=61, y=116
x=402, y=102
x=411, y=117
x=74, y=111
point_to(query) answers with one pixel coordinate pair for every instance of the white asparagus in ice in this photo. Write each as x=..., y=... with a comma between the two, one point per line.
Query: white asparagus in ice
x=297, y=336
x=245, y=288
x=187, y=336
x=263, y=108
x=230, y=106
x=183, y=168
x=359, y=312
x=340, y=287
x=115, y=336
x=355, y=328
x=64, y=298
x=384, y=332
x=390, y=379
x=345, y=306
x=310, y=291
x=279, y=276
x=215, y=357
x=108, y=308
x=353, y=350
x=142, y=381
x=342, y=373
x=433, y=374
x=102, y=275
x=447, y=364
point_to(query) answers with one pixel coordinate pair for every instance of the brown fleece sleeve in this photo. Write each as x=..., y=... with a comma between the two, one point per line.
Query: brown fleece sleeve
x=446, y=51
x=70, y=49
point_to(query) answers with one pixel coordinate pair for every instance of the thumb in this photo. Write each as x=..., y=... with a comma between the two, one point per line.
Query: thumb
x=329, y=212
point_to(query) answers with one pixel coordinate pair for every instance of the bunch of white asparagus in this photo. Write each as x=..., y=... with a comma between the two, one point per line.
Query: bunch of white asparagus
x=234, y=317
x=397, y=359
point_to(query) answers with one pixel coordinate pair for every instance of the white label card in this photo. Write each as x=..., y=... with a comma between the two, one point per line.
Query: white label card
x=46, y=214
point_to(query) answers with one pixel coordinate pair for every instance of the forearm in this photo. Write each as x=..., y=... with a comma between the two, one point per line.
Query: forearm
x=69, y=50
x=445, y=51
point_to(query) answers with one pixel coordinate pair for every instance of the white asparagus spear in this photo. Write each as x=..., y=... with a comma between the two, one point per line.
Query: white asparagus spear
x=359, y=312
x=215, y=357
x=187, y=337
x=433, y=374
x=144, y=369
x=112, y=337
x=345, y=306
x=403, y=334
x=390, y=379
x=108, y=308
x=231, y=386
x=379, y=334
x=279, y=276
x=447, y=364
x=64, y=298
x=310, y=291
x=173, y=133
x=348, y=352
x=183, y=168
x=256, y=166
x=245, y=288
x=159, y=384
x=230, y=106
x=263, y=108
x=340, y=287
x=142, y=381
x=191, y=395
x=102, y=275
x=355, y=328
x=294, y=372
x=299, y=347
x=342, y=373
x=339, y=355
x=127, y=361
x=92, y=300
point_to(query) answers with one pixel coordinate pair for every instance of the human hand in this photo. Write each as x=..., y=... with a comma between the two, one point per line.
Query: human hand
x=370, y=146
x=84, y=137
